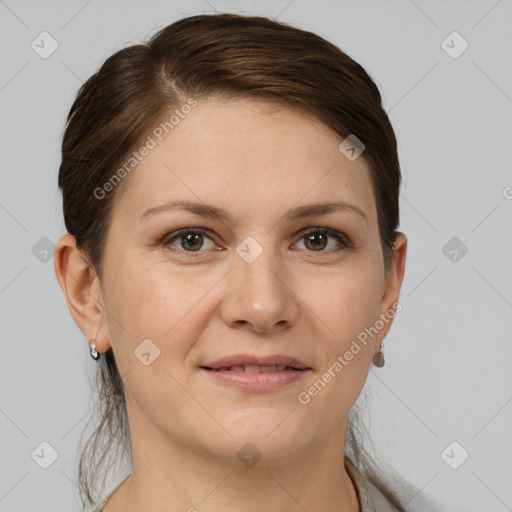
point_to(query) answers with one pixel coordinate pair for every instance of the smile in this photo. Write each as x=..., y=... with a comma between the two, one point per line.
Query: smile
x=256, y=378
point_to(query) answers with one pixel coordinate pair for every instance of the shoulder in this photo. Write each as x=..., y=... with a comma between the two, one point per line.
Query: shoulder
x=370, y=497
x=99, y=507
x=380, y=503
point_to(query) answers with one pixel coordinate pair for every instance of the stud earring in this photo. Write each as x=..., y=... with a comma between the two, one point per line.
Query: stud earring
x=94, y=354
x=378, y=358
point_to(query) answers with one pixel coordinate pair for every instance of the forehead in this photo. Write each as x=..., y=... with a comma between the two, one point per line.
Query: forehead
x=251, y=157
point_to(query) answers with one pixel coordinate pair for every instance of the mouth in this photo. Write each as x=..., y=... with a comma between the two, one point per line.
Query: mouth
x=256, y=378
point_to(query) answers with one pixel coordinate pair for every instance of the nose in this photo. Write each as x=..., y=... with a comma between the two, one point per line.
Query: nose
x=259, y=296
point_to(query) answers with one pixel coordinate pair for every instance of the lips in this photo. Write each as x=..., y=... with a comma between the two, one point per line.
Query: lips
x=256, y=374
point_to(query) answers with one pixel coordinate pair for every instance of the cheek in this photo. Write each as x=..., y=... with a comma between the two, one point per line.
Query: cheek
x=158, y=306
x=347, y=303
x=347, y=308
x=155, y=303
x=346, y=360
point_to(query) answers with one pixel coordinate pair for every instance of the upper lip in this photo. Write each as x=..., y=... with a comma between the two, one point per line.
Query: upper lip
x=244, y=359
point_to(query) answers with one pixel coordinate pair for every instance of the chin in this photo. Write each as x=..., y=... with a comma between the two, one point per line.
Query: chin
x=273, y=436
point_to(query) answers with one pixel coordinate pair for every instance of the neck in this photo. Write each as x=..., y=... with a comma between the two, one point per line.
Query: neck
x=167, y=477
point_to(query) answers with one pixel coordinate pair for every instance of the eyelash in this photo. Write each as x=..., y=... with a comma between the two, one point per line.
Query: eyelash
x=341, y=238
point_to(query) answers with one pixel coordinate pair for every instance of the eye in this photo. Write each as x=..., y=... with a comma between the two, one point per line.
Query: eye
x=316, y=239
x=190, y=240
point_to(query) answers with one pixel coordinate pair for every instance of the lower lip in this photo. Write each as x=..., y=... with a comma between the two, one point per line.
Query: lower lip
x=257, y=381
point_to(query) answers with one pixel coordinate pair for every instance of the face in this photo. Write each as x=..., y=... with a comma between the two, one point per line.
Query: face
x=264, y=275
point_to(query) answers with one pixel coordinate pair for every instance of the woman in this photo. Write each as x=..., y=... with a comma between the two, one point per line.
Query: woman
x=230, y=192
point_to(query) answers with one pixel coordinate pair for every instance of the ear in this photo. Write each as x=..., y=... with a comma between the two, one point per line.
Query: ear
x=82, y=289
x=394, y=279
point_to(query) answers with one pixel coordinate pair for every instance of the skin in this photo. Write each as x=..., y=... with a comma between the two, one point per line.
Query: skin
x=258, y=161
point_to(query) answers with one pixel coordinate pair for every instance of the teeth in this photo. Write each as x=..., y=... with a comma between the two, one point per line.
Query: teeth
x=252, y=368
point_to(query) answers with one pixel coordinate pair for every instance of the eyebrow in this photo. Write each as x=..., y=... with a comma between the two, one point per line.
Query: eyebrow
x=214, y=212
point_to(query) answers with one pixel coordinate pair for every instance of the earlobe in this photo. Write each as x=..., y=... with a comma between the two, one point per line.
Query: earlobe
x=80, y=285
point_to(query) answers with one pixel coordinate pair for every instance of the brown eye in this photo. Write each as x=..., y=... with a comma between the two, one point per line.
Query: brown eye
x=316, y=240
x=189, y=240
x=192, y=241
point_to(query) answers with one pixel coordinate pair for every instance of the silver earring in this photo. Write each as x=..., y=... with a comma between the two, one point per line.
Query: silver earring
x=378, y=358
x=94, y=354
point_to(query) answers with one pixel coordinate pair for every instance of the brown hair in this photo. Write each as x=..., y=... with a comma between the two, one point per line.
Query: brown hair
x=226, y=55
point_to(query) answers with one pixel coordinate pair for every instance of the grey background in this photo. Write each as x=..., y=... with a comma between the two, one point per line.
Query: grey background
x=447, y=375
